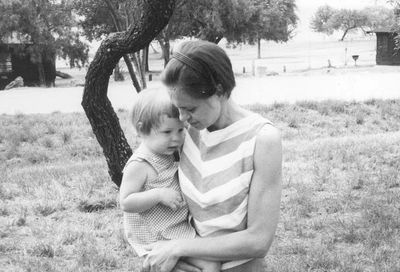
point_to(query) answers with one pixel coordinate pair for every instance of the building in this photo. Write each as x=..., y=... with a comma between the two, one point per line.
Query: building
x=16, y=59
x=386, y=53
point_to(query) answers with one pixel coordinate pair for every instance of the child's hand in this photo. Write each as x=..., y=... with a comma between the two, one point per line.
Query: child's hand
x=170, y=198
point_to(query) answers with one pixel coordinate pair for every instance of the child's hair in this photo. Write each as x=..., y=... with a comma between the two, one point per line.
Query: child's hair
x=149, y=109
x=198, y=67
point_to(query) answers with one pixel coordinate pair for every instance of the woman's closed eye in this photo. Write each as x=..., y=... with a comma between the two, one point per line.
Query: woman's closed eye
x=189, y=109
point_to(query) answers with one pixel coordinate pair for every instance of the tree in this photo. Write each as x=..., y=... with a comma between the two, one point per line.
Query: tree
x=238, y=21
x=97, y=106
x=327, y=19
x=273, y=20
x=321, y=20
x=396, y=25
x=379, y=17
x=99, y=18
x=50, y=26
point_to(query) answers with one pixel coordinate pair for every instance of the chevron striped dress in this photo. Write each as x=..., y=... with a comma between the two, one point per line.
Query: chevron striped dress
x=215, y=173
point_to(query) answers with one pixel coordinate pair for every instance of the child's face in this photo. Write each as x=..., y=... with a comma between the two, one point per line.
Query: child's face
x=167, y=138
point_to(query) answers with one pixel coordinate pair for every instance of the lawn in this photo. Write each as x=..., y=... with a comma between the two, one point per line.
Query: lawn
x=339, y=212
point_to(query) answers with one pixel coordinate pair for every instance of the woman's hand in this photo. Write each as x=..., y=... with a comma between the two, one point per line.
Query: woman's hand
x=162, y=256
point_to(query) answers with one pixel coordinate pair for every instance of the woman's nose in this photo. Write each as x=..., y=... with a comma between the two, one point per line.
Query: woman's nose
x=183, y=115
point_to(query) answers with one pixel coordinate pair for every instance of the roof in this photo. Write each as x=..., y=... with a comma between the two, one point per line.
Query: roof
x=15, y=38
x=382, y=30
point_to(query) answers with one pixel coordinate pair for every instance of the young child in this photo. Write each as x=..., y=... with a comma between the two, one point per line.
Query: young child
x=150, y=195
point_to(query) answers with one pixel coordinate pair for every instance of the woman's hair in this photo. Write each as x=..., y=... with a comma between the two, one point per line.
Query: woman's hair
x=198, y=67
x=149, y=109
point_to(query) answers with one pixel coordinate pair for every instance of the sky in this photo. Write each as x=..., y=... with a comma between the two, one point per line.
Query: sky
x=306, y=8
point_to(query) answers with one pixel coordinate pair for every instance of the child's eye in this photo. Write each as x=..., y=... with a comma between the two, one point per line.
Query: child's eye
x=166, y=131
x=180, y=130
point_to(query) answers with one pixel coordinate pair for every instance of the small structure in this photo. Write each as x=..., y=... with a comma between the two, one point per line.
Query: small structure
x=386, y=54
x=16, y=60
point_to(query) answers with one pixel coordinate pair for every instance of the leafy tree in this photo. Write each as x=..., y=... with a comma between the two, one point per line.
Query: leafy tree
x=50, y=26
x=379, y=17
x=347, y=19
x=272, y=20
x=327, y=19
x=321, y=20
x=238, y=21
x=99, y=18
x=396, y=26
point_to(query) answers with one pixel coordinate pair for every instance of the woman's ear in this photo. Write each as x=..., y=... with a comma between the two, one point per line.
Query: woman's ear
x=220, y=90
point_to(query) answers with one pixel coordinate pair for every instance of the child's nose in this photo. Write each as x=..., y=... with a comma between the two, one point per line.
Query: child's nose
x=177, y=137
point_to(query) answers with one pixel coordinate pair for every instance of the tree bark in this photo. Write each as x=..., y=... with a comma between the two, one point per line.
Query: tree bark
x=40, y=66
x=135, y=82
x=165, y=48
x=118, y=76
x=146, y=64
x=63, y=75
x=97, y=106
x=258, y=48
x=143, y=67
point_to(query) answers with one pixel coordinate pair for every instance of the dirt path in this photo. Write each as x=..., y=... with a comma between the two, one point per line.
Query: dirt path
x=342, y=84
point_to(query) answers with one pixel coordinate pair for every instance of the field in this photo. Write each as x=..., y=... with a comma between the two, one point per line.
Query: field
x=341, y=136
x=340, y=208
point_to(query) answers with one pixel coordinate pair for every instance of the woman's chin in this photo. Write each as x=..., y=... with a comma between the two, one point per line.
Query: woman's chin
x=197, y=126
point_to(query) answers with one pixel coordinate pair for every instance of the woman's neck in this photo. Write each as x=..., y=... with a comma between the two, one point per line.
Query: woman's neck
x=230, y=113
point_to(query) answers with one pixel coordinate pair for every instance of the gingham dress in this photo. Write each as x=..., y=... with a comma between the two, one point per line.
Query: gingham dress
x=159, y=222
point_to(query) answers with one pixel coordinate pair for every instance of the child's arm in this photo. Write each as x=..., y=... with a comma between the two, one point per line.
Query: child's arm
x=132, y=197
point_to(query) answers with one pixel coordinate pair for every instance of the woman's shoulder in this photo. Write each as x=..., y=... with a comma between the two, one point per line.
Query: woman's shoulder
x=269, y=137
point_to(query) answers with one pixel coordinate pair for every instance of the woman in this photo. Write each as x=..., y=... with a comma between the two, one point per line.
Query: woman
x=230, y=168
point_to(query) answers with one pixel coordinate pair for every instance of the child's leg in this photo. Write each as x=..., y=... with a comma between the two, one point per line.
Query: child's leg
x=205, y=266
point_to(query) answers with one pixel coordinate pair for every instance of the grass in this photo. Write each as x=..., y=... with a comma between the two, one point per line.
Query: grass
x=340, y=202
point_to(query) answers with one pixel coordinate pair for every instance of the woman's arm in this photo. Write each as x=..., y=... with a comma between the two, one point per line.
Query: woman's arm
x=263, y=213
x=132, y=197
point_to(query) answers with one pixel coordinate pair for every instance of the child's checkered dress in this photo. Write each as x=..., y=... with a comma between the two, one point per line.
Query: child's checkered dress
x=159, y=222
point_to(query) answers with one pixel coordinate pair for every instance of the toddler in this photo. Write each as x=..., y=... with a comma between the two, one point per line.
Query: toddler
x=150, y=195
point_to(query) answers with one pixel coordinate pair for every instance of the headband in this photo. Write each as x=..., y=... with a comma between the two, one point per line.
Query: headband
x=188, y=61
x=195, y=65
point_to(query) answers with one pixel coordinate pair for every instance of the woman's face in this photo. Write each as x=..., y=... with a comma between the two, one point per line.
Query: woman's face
x=200, y=113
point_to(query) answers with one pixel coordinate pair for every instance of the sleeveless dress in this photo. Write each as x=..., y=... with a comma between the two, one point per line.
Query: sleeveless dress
x=159, y=222
x=215, y=172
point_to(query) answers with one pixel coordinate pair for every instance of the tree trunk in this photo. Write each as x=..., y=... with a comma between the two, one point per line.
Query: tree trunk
x=63, y=75
x=258, y=48
x=138, y=66
x=118, y=76
x=142, y=63
x=146, y=63
x=135, y=82
x=97, y=106
x=41, y=73
x=165, y=48
x=344, y=35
